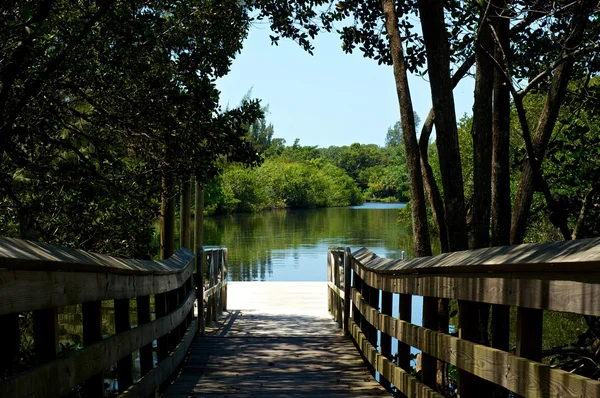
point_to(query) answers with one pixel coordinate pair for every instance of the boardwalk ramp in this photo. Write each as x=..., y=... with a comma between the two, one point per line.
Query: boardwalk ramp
x=275, y=339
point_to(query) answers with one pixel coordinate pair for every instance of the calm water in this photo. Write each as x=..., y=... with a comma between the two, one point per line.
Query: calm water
x=291, y=245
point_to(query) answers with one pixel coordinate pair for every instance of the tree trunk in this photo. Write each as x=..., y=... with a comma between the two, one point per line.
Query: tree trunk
x=422, y=244
x=474, y=324
x=501, y=210
x=482, y=136
x=547, y=121
x=585, y=205
x=438, y=64
x=431, y=188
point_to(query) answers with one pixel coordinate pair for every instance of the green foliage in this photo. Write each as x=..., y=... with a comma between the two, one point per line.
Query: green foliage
x=279, y=183
x=98, y=100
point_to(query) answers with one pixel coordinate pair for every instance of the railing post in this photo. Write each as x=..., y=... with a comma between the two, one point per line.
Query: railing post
x=529, y=334
x=200, y=260
x=386, y=339
x=428, y=362
x=358, y=285
x=347, y=288
x=219, y=279
x=405, y=314
x=160, y=309
x=172, y=304
x=144, y=316
x=336, y=282
x=209, y=300
x=92, y=332
x=225, y=270
x=191, y=287
x=45, y=334
x=123, y=324
x=329, y=279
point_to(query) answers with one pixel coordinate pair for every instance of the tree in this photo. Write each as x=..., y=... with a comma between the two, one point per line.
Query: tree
x=394, y=134
x=506, y=43
x=99, y=100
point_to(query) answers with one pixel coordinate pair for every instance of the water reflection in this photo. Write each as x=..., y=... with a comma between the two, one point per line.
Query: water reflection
x=291, y=245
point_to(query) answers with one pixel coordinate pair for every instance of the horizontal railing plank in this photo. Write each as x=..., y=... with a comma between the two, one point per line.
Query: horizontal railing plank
x=336, y=290
x=22, y=291
x=61, y=376
x=213, y=290
x=406, y=383
x=520, y=375
x=571, y=256
x=153, y=379
x=16, y=254
x=556, y=291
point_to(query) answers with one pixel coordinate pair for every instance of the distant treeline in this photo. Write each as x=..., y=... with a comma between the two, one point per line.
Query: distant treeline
x=307, y=176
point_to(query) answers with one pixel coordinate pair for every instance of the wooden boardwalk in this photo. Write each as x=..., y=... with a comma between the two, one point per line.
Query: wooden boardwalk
x=276, y=339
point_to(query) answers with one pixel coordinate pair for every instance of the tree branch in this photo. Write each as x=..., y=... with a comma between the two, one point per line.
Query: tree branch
x=558, y=216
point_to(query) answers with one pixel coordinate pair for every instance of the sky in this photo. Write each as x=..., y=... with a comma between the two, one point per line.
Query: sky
x=330, y=98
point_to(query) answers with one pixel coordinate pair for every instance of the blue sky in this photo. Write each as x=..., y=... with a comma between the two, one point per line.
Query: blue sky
x=330, y=98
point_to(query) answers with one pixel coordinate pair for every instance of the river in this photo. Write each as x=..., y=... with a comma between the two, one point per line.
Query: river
x=291, y=245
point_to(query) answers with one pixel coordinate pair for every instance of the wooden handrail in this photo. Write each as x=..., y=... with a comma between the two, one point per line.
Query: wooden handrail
x=40, y=278
x=560, y=276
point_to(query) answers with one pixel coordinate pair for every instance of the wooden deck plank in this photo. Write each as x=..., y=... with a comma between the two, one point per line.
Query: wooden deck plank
x=276, y=340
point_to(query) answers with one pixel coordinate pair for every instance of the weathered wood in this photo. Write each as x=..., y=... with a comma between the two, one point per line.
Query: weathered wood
x=405, y=383
x=405, y=314
x=567, y=256
x=151, y=382
x=29, y=291
x=200, y=264
x=386, y=339
x=347, y=287
x=529, y=333
x=61, y=375
x=45, y=334
x=144, y=317
x=281, y=343
x=520, y=375
x=185, y=214
x=335, y=290
x=125, y=364
x=16, y=254
x=470, y=385
x=92, y=333
x=555, y=291
x=172, y=303
x=225, y=275
x=330, y=281
x=356, y=284
x=161, y=310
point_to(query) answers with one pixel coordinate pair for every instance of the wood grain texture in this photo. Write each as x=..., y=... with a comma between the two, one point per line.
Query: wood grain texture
x=60, y=376
x=556, y=291
x=572, y=256
x=149, y=383
x=520, y=375
x=22, y=291
x=405, y=382
x=281, y=342
x=16, y=254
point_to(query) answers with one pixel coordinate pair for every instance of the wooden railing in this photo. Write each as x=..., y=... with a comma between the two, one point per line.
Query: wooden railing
x=559, y=276
x=39, y=279
x=213, y=262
